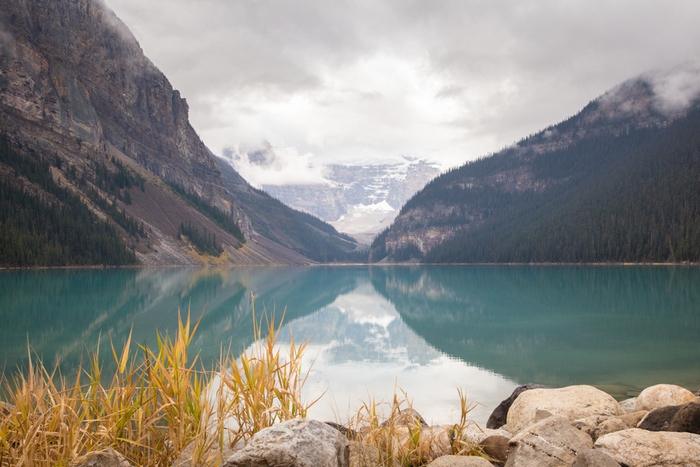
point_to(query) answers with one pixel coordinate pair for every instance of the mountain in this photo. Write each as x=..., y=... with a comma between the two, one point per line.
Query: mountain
x=359, y=200
x=100, y=165
x=618, y=182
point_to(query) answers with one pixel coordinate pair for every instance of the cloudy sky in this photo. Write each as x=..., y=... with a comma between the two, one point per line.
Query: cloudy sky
x=372, y=80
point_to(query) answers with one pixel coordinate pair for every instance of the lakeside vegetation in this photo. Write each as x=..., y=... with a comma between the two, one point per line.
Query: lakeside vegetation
x=158, y=402
x=161, y=402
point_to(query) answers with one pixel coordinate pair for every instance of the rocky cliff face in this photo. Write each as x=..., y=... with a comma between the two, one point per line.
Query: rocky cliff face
x=77, y=91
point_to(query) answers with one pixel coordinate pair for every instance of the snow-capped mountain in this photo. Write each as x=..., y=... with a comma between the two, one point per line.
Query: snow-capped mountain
x=359, y=200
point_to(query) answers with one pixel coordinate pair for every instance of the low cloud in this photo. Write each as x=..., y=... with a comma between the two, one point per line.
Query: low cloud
x=676, y=89
x=269, y=165
x=446, y=80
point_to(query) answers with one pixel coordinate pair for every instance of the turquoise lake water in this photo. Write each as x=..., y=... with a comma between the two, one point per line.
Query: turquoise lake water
x=425, y=330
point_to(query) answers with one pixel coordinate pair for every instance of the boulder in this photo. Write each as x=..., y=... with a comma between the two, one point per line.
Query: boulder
x=460, y=461
x=188, y=458
x=406, y=417
x=609, y=425
x=633, y=419
x=407, y=444
x=659, y=419
x=687, y=419
x=640, y=448
x=663, y=395
x=104, y=458
x=294, y=443
x=553, y=442
x=573, y=402
x=362, y=454
x=348, y=432
x=432, y=442
x=473, y=434
x=629, y=405
x=594, y=458
x=496, y=447
x=499, y=415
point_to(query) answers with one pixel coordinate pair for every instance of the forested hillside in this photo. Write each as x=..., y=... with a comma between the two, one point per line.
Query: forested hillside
x=106, y=168
x=624, y=190
x=43, y=224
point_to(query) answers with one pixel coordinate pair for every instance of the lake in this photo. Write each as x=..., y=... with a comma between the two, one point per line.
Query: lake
x=426, y=330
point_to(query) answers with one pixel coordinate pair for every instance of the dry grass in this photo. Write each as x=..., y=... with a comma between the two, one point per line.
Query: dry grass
x=160, y=402
x=401, y=438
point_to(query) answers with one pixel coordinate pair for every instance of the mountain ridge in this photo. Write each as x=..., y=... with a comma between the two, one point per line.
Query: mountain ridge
x=547, y=195
x=76, y=92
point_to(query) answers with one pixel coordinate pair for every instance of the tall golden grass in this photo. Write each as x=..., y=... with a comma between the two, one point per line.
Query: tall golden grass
x=161, y=402
x=156, y=404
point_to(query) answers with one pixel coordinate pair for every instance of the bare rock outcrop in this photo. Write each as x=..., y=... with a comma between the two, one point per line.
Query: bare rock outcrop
x=594, y=458
x=663, y=395
x=572, y=402
x=105, y=458
x=460, y=461
x=294, y=443
x=553, y=442
x=499, y=416
x=640, y=448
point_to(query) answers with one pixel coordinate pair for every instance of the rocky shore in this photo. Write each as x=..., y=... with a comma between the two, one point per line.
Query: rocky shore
x=575, y=426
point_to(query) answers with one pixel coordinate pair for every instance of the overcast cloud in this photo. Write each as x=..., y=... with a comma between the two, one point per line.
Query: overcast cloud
x=371, y=80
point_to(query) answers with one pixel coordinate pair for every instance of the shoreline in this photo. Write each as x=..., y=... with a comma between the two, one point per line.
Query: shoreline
x=379, y=265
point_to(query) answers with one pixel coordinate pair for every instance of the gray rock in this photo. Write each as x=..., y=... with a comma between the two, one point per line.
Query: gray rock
x=594, y=458
x=500, y=414
x=572, y=402
x=460, y=461
x=663, y=395
x=553, y=442
x=629, y=405
x=104, y=458
x=294, y=443
x=640, y=448
x=659, y=419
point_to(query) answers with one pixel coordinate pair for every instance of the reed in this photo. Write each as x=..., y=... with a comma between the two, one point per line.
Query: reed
x=161, y=405
x=392, y=434
x=157, y=403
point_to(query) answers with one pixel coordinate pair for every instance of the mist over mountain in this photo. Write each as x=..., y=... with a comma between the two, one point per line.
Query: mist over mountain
x=357, y=199
x=618, y=182
x=100, y=165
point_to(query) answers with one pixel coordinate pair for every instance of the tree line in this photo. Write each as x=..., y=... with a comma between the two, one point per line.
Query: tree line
x=43, y=224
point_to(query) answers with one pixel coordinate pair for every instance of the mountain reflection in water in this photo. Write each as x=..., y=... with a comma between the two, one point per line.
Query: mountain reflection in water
x=426, y=330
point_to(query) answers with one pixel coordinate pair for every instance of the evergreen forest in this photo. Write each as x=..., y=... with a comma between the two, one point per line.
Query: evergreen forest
x=632, y=197
x=44, y=224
